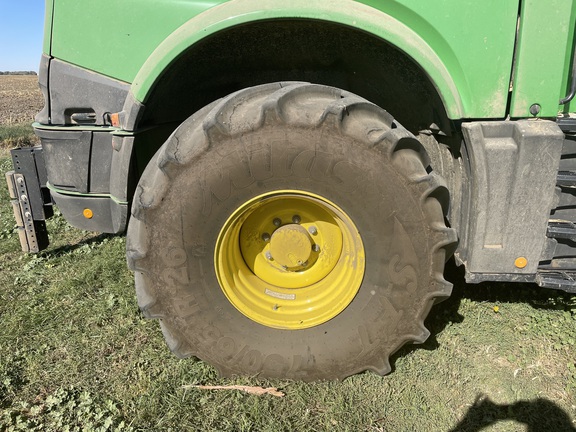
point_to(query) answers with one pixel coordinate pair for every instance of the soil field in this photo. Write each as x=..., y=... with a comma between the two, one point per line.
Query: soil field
x=20, y=99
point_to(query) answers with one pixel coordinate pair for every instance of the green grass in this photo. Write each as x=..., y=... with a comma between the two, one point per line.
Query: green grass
x=75, y=354
x=17, y=135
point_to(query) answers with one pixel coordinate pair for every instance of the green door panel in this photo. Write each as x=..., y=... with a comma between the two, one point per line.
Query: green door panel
x=545, y=47
x=466, y=47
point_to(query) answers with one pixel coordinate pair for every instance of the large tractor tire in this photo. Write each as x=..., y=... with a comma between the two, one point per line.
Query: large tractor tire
x=290, y=230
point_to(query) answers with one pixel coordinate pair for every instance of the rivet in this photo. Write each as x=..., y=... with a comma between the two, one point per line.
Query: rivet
x=28, y=214
x=534, y=109
x=521, y=262
x=277, y=222
x=20, y=180
x=312, y=230
x=24, y=198
x=296, y=219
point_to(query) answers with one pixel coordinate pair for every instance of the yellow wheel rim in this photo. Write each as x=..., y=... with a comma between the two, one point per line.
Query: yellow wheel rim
x=289, y=259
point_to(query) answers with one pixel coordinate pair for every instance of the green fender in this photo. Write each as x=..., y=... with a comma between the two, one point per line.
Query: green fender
x=434, y=54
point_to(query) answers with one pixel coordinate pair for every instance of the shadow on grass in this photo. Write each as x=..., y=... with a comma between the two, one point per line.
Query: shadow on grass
x=537, y=415
x=446, y=313
x=61, y=250
x=504, y=292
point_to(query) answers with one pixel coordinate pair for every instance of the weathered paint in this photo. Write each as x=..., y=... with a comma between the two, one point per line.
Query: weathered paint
x=465, y=47
x=543, y=60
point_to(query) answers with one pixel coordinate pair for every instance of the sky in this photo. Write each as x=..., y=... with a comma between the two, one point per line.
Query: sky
x=21, y=31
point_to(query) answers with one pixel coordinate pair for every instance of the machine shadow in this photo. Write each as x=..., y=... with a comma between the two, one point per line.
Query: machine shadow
x=533, y=416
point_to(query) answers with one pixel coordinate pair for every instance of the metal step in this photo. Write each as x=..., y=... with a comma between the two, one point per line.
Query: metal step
x=561, y=229
x=566, y=178
x=556, y=279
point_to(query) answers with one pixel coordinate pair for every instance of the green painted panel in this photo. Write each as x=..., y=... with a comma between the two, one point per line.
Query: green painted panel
x=474, y=39
x=543, y=64
x=47, y=26
x=466, y=47
x=116, y=37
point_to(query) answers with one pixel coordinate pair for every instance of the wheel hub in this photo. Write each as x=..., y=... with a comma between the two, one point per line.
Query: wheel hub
x=289, y=259
x=291, y=247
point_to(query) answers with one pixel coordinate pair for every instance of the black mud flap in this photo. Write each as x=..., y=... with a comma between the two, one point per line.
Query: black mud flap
x=30, y=197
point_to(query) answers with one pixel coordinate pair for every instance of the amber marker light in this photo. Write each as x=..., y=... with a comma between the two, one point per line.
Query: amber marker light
x=88, y=213
x=115, y=119
x=521, y=262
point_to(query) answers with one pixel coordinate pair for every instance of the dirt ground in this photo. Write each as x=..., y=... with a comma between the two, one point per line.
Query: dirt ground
x=20, y=99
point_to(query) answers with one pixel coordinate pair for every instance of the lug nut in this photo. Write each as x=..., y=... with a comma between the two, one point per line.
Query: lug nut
x=268, y=255
x=277, y=222
x=312, y=230
x=296, y=219
x=266, y=237
x=316, y=248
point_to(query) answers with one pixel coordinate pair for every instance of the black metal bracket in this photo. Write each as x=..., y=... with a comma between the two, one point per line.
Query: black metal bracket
x=31, y=200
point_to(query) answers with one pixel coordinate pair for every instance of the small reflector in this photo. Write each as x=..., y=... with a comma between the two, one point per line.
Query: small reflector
x=521, y=262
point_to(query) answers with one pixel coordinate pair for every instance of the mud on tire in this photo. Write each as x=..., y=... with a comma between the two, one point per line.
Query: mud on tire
x=290, y=136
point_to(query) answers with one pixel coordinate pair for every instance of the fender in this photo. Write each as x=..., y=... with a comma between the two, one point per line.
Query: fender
x=433, y=54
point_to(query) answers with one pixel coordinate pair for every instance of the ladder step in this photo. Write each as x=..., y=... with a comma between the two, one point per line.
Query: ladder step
x=566, y=178
x=562, y=280
x=561, y=230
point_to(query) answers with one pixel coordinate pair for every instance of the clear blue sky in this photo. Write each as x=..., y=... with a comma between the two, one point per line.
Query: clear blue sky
x=21, y=31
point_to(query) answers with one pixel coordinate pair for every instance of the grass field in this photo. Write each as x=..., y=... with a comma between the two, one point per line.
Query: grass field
x=75, y=354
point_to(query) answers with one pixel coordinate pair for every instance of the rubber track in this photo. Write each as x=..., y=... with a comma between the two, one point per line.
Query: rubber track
x=282, y=103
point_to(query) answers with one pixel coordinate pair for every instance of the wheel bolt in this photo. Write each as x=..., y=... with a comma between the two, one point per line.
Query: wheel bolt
x=277, y=222
x=268, y=255
x=312, y=230
x=266, y=237
x=296, y=219
x=316, y=248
